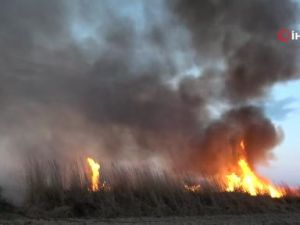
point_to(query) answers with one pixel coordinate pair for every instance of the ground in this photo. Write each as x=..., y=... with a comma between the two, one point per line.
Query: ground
x=256, y=219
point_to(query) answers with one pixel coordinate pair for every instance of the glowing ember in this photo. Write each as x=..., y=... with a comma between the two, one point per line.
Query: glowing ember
x=192, y=188
x=95, y=170
x=244, y=179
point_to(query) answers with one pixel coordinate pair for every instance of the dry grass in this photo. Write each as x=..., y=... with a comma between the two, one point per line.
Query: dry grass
x=134, y=194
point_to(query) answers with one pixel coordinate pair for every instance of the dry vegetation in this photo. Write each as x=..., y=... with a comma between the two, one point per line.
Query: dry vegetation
x=135, y=194
x=50, y=195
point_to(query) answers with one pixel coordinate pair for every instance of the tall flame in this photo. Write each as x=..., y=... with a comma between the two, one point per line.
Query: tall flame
x=244, y=179
x=95, y=170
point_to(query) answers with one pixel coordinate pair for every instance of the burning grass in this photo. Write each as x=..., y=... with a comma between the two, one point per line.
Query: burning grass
x=130, y=193
x=244, y=178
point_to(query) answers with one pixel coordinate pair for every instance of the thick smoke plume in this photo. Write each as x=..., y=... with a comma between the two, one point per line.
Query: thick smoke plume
x=243, y=36
x=92, y=77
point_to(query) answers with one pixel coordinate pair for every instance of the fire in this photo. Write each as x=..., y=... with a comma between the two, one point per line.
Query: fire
x=245, y=179
x=95, y=178
x=241, y=178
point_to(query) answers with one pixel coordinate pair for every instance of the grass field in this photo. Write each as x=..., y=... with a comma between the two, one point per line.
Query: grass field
x=139, y=197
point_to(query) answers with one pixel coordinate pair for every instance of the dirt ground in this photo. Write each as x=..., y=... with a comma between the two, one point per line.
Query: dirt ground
x=258, y=219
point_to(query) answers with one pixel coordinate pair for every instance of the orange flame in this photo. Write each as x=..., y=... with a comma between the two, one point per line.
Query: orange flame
x=95, y=178
x=244, y=179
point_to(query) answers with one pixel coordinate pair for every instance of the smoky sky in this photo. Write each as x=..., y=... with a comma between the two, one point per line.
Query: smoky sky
x=112, y=76
x=243, y=34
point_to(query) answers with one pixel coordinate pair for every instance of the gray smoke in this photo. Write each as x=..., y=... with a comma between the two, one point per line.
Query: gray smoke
x=243, y=36
x=110, y=78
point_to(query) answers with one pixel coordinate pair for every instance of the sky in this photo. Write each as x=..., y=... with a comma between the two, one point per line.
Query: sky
x=284, y=110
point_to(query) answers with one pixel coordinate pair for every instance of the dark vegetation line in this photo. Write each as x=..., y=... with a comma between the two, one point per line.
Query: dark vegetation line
x=50, y=195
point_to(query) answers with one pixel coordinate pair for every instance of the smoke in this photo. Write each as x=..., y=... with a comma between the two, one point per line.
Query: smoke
x=110, y=78
x=86, y=76
x=243, y=37
x=218, y=147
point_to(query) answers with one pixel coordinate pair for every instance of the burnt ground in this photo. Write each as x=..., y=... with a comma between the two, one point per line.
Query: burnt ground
x=255, y=219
